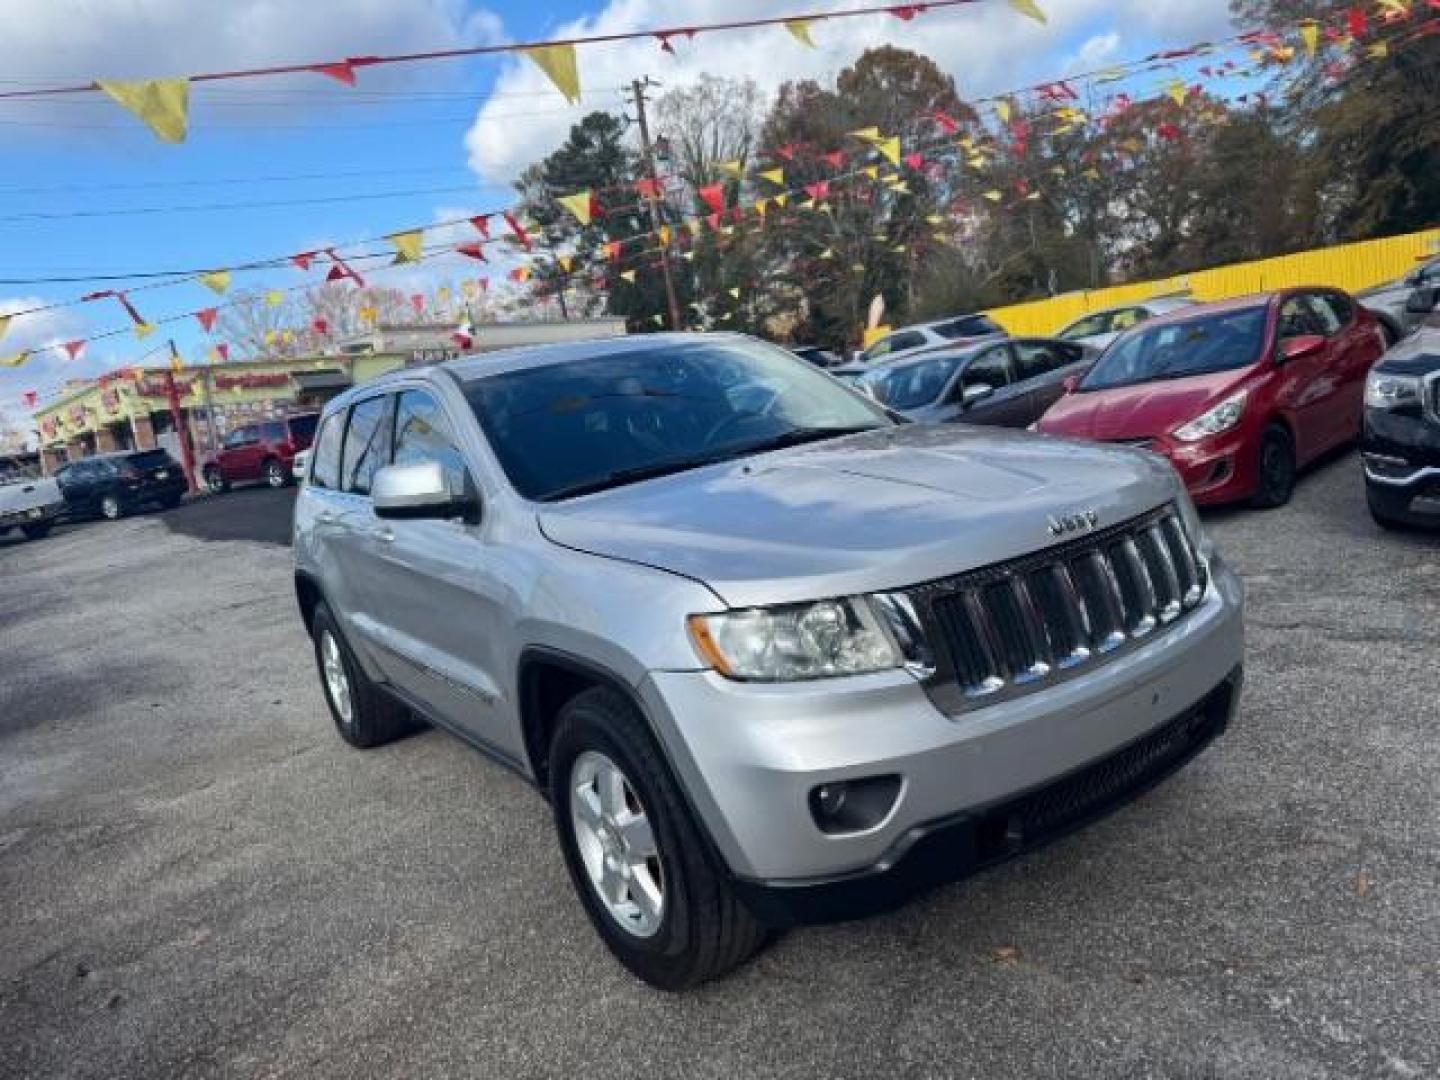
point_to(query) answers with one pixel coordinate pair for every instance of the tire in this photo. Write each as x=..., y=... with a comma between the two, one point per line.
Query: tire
x=699, y=929
x=275, y=473
x=36, y=532
x=1276, y=468
x=215, y=481
x=111, y=508
x=364, y=716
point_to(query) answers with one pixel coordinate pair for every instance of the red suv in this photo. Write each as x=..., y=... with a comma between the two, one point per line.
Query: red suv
x=1238, y=395
x=260, y=452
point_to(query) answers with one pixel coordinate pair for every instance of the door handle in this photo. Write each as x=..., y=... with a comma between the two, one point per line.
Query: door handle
x=325, y=517
x=383, y=533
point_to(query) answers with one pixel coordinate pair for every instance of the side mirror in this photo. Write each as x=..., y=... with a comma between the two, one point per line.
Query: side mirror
x=1298, y=348
x=1070, y=383
x=975, y=393
x=1422, y=301
x=420, y=490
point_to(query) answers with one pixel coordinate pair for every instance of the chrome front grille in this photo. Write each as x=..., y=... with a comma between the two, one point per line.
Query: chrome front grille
x=1017, y=625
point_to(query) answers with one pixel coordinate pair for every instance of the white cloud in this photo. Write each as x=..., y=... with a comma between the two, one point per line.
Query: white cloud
x=987, y=48
x=47, y=368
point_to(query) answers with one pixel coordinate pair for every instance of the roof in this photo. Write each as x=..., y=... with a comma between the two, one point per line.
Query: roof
x=1216, y=307
x=533, y=356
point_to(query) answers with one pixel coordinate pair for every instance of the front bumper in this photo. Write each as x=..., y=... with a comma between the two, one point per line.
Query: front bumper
x=1400, y=454
x=749, y=756
x=1216, y=470
x=35, y=515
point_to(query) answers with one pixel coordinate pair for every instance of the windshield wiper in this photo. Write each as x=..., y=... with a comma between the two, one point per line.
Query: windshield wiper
x=800, y=436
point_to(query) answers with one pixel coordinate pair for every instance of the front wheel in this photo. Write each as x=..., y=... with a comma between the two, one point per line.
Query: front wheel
x=276, y=475
x=215, y=481
x=36, y=532
x=648, y=879
x=1277, y=469
x=111, y=509
x=363, y=715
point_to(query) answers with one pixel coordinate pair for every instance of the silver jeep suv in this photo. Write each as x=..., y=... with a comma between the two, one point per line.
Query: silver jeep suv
x=773, y=656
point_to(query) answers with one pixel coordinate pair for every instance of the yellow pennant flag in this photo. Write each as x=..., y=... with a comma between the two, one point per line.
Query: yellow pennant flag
x=408, y=245
x=1176, y=90
x=731, y=168
x=578, y=204
x=369, y=313
x=735, y=293
x=1002, y=111
x=826, y=254
x=558, y=62
x=1378, y=50
x=898, y=247
x=4, y=324
x=14, y=360
x=775, y=176
x=890, y=150
x=270, y=336
x=800, y=31
x=664, y=234
x=872, y=171
x=567, y=263
x=217, y=281
x=163, y=104
x=1310, y=34
x=900, y=187
x=760, y=206
x=143, y=330
x=934, y=219
x=994, y=196
x=628, y=275
x=869, y=134
x=781, y=200
x=176, y=364
x=274, y=298
x=976, y=162
x=1029, y=9
x=1400, y=8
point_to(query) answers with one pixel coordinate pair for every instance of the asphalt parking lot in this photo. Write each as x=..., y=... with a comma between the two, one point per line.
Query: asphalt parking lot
x=198, y=878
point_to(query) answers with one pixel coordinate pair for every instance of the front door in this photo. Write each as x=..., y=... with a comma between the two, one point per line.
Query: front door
x=1310, y=386
x=1007, y=405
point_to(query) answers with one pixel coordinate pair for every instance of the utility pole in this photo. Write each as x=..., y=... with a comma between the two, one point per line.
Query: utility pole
x=182, y=430
x=647, y=159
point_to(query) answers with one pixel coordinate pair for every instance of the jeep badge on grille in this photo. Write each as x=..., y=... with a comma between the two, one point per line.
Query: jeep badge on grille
x=1081, y=521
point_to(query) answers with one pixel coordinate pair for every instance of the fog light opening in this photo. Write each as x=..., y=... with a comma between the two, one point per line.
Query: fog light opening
x=849, y=806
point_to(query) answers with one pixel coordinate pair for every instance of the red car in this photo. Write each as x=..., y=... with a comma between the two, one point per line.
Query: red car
x=263, y=452
x=1238, y=395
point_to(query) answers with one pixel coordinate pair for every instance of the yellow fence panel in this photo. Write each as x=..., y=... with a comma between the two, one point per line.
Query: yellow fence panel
x=1347, y=266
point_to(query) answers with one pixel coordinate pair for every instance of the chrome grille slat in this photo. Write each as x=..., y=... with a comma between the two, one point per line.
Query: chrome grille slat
x=1007, y=628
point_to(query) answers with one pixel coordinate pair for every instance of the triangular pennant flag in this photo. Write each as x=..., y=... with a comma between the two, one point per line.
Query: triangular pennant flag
x=1029, y=9
x=408, y=245
x=664, y=234
x=162, y=104
x=1176, y=91
x=217, y=281
x=713, y=195
x=800, y=31
x=472, y=251
x=342, y=71
x=14, y=359
x=872, y=171
x=628, y=275
x=1310, y=34
x=581, y=204
x=889, y=149
x=482, y=225
x=143, y=330
x=558, y=62
x=869, y=134
x=4, y=324
x=274, y=298
x=206, y=318
x=517, y=229
x=223, y=351
x=775, y=176
x=781, y=200
x=566, y=263
x=760, y=205
x=732, y=168
x=994, y=196
x=1002, y=111
x=73, y=348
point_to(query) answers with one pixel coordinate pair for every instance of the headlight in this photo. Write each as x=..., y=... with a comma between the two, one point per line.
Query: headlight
x=1391, y=391
x=1222, y=417
x=799, y=641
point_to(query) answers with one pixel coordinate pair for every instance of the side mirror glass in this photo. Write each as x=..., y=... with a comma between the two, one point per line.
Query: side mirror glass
x=975, y=393
x=1422, y=301
x=1297, y=348
x=420, y=490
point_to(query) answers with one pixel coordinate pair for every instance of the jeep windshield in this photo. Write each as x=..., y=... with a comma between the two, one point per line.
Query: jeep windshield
x=576, y=426
x=1199, y=345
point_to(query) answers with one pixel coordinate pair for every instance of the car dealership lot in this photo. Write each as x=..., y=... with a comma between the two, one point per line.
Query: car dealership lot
x=198, y=877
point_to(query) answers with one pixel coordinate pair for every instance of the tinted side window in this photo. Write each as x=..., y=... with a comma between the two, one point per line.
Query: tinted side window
x=1324, y=315
x=1088, y=326
x=991, y=368
x=325, y=461
x=896, y=342
x=367, y=443
x=1297, y=318
x=422, y=433
x=273, y=432
x=1340, y=305
x=1033, y=359
x=302, y=427
x=971, y=326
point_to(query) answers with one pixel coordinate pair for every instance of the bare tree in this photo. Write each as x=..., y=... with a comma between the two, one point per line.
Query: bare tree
x=712, y=120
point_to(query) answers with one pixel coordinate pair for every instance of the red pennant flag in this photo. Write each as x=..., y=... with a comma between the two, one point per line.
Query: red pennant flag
x=1358, y=22
x=906, y=12
x=664, y=37
x=417, y=301
x=336, y=274
x=948, y=124
x=224, y=350
x=647, y=188
x=73, y=348
x=320, y=326
x=206, y=318
x=484, y=284
x=31, y=397
x=473, y=251
x=1168, y=131
x=836, y=158
x=482, y=225
x=915, y=161
x=303, y=259
x=344, y=71
x=517, y=229
x=713, y=195
x=612, y=250
x=818, y=190
x=787, y=151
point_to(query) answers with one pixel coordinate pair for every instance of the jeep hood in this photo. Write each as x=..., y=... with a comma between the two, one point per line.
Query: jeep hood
x=879, y=510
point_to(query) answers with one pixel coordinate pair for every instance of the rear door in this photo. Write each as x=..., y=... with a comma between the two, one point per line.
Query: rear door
x=1310, y=384
x=442, y=591
x=240, y=458
x=1041, y=366
x=1356, y=346
x=1007, y=405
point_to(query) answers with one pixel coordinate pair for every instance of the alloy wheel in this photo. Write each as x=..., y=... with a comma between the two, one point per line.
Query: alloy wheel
x=273, y=476
x=337, y=682
x=110, y=507
x=617, y=844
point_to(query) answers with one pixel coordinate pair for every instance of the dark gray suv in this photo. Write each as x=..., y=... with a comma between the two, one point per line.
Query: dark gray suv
x=771, y=656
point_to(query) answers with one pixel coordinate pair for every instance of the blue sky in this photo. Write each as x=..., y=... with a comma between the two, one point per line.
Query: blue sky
x=451, y=134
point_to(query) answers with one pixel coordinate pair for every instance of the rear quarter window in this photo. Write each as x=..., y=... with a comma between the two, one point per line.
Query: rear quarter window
x=303, y=427
x=150, y=459
x=325, y=460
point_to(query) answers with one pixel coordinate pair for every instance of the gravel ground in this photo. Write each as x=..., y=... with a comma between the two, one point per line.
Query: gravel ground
x=197, y=877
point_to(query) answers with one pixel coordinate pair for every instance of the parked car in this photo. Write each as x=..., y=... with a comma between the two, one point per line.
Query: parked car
x=1389, y=302
x=771, y=665
x=1100, y=328
x=28, y=502
x=1238, y=395
x=1009, y=383
x=113, y=485
x=931, y=334
x=816, y=355
x=260, y=452
x=1400, y=450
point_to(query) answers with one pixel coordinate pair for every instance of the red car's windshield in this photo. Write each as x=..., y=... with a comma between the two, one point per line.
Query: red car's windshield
x=1200, y=345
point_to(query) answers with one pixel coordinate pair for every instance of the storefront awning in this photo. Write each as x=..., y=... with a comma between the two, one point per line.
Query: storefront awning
x=328, y=379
